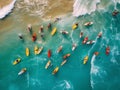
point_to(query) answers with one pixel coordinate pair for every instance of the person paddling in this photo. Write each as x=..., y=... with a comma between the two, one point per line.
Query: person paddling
x=107, y=50
x=20, y=36
x=41, y=29
x=29, y=28
x=99, y=35
x=49, y=25
x=81, y=34
x=115, y=12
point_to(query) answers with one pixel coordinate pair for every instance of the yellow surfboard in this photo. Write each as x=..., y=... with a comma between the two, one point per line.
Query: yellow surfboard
x=55, y=70
x=16, y=61
x=74, y=26
x=36, y=50
x=53, y=31
x=85, y=60
x=27, y=52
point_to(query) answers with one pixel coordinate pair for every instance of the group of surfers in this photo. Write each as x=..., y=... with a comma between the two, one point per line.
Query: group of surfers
x=85, y=41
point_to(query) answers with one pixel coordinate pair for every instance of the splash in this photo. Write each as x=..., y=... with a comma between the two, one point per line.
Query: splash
x=7, y=9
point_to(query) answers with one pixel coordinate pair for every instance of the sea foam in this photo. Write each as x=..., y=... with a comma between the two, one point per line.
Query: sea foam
x=117, y=1
x=94, y=69
x=82, y=7
x=33, y=7
x=7, y=9
x=63, y=85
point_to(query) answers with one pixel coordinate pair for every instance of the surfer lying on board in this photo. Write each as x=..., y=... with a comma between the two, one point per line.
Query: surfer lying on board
x=115, y=12
x=20, y=36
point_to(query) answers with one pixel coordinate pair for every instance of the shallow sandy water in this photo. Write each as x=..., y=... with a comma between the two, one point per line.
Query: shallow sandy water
x=52, y=10
x=4, y=3
x=59, y=8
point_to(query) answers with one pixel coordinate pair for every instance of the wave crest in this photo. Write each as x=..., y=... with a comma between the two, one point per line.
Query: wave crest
x=7, y=9
x=81, y=7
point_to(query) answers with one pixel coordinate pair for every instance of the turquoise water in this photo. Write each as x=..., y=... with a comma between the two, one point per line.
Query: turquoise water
x=100, y=73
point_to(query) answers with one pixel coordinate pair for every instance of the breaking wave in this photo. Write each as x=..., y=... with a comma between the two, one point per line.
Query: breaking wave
x=7, y=9
x=82, y=7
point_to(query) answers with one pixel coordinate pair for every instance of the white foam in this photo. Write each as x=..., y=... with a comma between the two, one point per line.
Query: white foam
x=82, y=7
x=113, y=60
x=92, y=83
x=72, y=37
x=7, y=9
x=63, y=85
x=33, y=7
x=114, y=51
x=116, y=1
x=67, y=84
x=94, y=69
x=117, y=37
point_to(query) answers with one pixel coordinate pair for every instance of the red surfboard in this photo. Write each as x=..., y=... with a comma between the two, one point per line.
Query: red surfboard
x=49, y=53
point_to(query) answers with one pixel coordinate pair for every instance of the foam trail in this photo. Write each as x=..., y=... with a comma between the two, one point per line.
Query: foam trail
x=7, y=9
x=92, y=64
x=67, y=84
x=116, y=1
x=63, y=85
x=71, y=36
x=93, y=70
x=82, y=7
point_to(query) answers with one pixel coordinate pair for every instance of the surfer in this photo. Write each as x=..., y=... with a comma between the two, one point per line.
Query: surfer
x=115, y=12
x=41, y=29
x=81, y=34
x=99, y=35
x=107, y=50
x=20, y=36
x=57, y=19
x=64, y=32
x=29, y=28
x=49, y=25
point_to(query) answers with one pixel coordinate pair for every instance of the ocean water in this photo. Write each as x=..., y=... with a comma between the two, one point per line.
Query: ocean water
x=100, y=73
